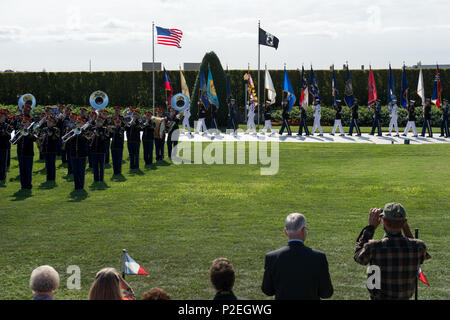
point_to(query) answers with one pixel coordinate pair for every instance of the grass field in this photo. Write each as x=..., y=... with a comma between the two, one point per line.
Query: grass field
x=175, y=219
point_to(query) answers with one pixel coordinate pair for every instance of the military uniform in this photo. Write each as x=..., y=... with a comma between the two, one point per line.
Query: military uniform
x=173, y=133
x=444, y=120
x=134, y=143
x=98, y=151
x=5, y=145
x=427, y=121
x=354, y=120
x=285, y=120
x=148, y=138
x=201, y=119
x=185, y=124
x=376, y=119
x=317, y=116
x=117, y=135
x=268, y=120
x=411, y=119
x=394, y=117
x=214, y=112
x=78, y=148
x=251, y=118
x=338, y=119
x=303, y=123
x=50, y=142
x=25, y=155
x=232, y=116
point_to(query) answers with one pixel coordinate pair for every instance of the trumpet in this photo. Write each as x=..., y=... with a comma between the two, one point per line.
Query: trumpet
x=74, y=132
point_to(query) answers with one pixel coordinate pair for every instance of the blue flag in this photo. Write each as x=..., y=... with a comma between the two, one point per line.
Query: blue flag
x=348, y=93
x=391, y=87
x=404, y=97
x=287, y=87
x=211, y=90
x=202, y=89
x=334, y=90
x=314, y=85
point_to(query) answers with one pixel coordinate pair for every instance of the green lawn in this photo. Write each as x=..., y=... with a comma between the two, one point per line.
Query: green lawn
x=175, y=219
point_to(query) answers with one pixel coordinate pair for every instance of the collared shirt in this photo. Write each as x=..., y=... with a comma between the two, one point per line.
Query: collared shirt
x=397, y=257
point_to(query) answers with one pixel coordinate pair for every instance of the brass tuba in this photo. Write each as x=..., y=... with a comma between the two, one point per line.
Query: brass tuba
x=27, y=98
x=98, y=100
x=180, y=102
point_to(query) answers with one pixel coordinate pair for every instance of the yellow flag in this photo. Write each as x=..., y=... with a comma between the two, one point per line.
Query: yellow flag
x=184, y=87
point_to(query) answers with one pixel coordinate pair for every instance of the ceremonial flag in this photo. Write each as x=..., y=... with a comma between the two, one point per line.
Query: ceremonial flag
x=267, y=39
x=251, y=88
x=437, y=89
x=334, y=89
x=287, y=87
x=372, y=90
x=404, y=98
x=421, y=87
x=314, y=85
x=169, y=37
x=268, y=84
x=184, y=87
x=304, y=91
x=228, y=87
x=391, y=86
x=167, y=86
x=211, y=90
x=202, y=89
x=422, y=277
x=131, y=267
x=348, y=92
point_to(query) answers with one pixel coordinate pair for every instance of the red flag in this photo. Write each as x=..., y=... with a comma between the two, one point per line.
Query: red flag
x=422, y=277
x=372, y=89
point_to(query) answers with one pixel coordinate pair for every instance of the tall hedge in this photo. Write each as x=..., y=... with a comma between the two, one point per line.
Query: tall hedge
x=134, y=88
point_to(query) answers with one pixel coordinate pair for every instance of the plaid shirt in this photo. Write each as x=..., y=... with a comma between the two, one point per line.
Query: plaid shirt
x=397, y=257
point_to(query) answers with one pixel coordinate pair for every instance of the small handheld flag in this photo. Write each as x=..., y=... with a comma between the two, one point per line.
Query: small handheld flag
x=421, y=277
x=169, y=37
x=130, y=266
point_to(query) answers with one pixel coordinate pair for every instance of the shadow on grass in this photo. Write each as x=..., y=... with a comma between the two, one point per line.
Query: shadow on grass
x=43, y=171
x=118, y=178
x=107, y=166
x=162, y=163
x=136, y=172
x=150, y=166
x=99, y=185
x=3, y=184
x=17, y=178
x=47, y=185
x=22, y=194
x=68, y=177
x=78, y=195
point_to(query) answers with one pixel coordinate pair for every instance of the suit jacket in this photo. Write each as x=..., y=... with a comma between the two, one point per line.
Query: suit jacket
x=296, y=272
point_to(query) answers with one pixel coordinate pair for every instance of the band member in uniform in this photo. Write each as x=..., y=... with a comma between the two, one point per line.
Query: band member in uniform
x=65, y=124
x=411, y=119
x=98, y=148
x=317, y=116
x=185, y=124
x=427, y=119
x=160, y=141
x=5, y=136
x=392, y=108
x=148, y=138
x=444, y=120
x=338, y=119
x=251, y=116
x=117, y=113
x=303, y=124
x=172, y=122
x=285, y=115
x=354, y=121
x=232, y=116
x=376, y=118
x=92, y=116
x=201, y=119
x=83, y=113
x=133, y=130
x=50, y=141
x=106, y=123
x=214, y=112
x=117, y=134
x=25, y=154
x=78, y=147
x=268, y=119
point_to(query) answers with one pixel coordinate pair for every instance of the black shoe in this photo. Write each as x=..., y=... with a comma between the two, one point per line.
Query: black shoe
x=371, y=134
x=422, y=135
x=380, y=135
x=299, y=134
x=388, y=135
x=359, y=135
x=397, y=135
x=289, y=134
x=403, y=134
x=349, y=134
x=331, y=134
x=441, y=135
x=430, y=136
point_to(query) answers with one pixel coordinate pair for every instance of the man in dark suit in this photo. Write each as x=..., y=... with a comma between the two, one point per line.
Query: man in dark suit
x=296, y=272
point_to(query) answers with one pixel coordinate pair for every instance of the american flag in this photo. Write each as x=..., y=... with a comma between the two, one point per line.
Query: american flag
x=169, y=37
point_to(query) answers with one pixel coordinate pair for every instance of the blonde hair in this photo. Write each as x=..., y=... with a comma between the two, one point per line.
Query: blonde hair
x=106, y=285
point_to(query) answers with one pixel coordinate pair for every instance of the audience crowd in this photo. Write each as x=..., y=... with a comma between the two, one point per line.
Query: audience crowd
x=293, y=272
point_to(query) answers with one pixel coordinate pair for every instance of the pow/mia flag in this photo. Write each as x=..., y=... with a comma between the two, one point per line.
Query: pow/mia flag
x=267, y=39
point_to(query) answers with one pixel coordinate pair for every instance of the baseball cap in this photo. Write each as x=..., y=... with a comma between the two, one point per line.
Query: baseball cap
x=394, y=211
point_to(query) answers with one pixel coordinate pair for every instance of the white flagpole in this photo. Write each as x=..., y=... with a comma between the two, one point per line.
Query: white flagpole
x=153, y=65
x=259, y=78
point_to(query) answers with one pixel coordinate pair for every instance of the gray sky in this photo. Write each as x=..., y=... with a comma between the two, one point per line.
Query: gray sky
x=116, y=35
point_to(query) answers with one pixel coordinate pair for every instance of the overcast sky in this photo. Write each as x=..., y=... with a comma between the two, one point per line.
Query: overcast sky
x=116, y=35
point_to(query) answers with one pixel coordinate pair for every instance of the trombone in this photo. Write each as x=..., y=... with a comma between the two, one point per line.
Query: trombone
x=75, y=131
x=22, y=133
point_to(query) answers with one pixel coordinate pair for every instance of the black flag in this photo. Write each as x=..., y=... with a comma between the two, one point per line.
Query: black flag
x=267, y=39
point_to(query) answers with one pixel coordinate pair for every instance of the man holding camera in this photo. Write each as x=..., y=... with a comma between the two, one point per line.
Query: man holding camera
x=397, y=255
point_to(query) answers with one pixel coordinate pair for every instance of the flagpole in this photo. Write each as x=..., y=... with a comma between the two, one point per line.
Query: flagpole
x=153, y=65
x=264, y=100
x=123, y=263
x=259, y=54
